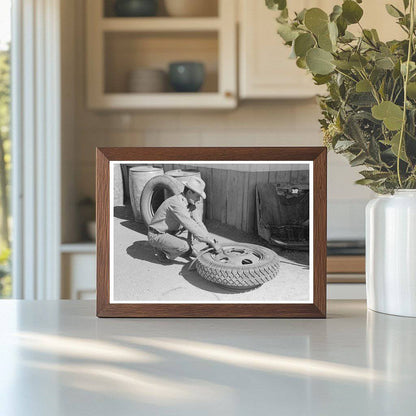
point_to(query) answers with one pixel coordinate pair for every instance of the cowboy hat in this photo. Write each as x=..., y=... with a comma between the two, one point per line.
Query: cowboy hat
x=197, y=185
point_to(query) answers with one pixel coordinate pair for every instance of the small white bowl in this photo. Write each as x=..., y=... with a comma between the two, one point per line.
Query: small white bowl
x=146, y=80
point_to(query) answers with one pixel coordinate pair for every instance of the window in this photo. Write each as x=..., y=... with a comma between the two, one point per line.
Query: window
x=5, y=145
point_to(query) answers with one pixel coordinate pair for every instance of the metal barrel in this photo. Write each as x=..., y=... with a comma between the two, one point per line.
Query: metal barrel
x=138, y=178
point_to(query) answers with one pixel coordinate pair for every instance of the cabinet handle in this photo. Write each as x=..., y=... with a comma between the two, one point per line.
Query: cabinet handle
x=228, y=94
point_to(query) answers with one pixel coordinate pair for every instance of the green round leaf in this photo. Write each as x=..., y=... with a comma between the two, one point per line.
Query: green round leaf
x=351, y=11
x=328, y=40
x=301, y=15
x=394, y=144
x=391, y=114
x=393, y=11
x=316, y=20
x=324, y=42
x=342, y=25
x=342, y=64
x=385, y=63
x=336, y=12
x=321, y=79
x=363, y=86
x=411, y=90
x=276, y=4
x=319, y=61
x=358, y=61
x=301, y=63
x=303, y=43
x=286, y=32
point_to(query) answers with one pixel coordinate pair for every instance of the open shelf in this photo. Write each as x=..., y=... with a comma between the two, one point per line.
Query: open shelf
x=80, y=247
x=116, y=46
x=194, y=101
x=160, y=24
x=127, y=51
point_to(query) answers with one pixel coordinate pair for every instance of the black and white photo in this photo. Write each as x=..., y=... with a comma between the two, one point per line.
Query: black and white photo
x=211, y=232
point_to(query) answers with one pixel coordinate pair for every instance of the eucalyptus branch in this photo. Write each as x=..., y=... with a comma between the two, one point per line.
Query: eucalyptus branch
x=370, y=64
x=345, y=75
x=397, y=95
x=392, y=90
x=369, y=41
x=373, y=89
x=406, y=79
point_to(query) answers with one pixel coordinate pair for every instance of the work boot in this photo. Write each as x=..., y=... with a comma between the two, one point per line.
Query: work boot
x=162, y=257
x=189, y=255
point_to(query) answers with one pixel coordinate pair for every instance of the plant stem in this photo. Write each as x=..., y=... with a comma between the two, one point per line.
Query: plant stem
x=345, y=75
x=373, y=90
x=406, y=79
x=369, y=41
x=392, y=90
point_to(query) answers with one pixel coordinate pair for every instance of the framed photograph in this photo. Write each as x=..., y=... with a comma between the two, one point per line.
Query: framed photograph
x=211, y=232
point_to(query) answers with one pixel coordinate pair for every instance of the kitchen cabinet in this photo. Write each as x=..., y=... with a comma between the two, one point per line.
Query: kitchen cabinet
x=78, y=271
x=265, y=70
x=118, y=45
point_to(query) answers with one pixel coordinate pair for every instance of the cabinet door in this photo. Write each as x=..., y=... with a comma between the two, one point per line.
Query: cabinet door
x=265, y=68
x=78, y=276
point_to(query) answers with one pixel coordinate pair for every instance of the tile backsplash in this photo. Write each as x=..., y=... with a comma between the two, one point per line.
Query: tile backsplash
x=284, y=123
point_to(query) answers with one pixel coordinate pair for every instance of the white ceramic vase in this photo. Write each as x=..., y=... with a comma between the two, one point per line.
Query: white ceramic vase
x=391, y=253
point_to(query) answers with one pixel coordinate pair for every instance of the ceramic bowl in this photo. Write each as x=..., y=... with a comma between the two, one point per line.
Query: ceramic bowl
x=147, y=80
x=135, y=8
x=186, y=76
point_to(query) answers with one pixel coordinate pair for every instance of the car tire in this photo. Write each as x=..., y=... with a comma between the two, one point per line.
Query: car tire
x=257, y=267
x=155, y=192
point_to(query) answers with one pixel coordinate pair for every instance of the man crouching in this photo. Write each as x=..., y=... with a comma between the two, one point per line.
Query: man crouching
x=177, y=214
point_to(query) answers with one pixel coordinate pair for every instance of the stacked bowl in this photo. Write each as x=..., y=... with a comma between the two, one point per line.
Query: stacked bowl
x=147, y=80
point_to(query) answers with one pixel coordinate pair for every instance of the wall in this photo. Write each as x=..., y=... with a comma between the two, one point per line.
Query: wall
x=256, y=123
x=231, y=189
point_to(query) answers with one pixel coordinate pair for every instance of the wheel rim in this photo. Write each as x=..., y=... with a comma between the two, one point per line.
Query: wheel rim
x=238, y=256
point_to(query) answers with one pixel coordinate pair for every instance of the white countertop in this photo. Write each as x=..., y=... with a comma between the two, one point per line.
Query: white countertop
x=58, y=359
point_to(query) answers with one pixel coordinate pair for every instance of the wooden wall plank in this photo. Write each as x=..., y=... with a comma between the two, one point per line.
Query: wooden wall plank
x=303, y=177
x=244, y=205
x=218, y=195
x=294, y=177
x=168, y=167
x=231, y=194
x=206, y=177
x=232, y=197
x=251, y=203
x=283, y=177
x=240, y=201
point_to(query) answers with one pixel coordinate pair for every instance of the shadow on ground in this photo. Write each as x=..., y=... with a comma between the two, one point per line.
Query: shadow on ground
x=126, y=213
x=142, y=250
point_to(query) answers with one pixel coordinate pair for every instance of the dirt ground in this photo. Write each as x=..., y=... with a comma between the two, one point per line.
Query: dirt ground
x=138, y=275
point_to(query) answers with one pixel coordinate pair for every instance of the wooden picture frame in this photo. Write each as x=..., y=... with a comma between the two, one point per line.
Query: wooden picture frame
x=317, y=158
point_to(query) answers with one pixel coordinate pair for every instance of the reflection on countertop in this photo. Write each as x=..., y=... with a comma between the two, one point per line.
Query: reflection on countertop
x=346, y=247
x=63, y=360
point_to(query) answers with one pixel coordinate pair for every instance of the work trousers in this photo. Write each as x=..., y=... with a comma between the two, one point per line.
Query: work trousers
x=172, y=245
